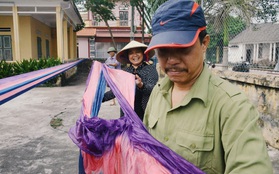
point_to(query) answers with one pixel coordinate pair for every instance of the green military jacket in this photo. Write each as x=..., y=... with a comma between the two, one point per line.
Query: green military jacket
x=215, y=126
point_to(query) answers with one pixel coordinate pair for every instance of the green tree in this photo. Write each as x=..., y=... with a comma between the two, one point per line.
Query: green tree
x=218, y=12
x=235, y=26
x=144, y=13
x=143, y=9
x=102, y=10
x=267, y=11
x=151, y=7
x=154, y=4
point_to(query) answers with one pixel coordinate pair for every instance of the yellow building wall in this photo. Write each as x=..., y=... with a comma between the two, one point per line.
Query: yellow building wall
x=38, y=29
x=53, y=42
x=75, y=45
x=72, y=44
x=29, y=30
x=25, y=38
x=7, y=22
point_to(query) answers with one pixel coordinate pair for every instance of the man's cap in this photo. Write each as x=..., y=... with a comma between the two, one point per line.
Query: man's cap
x=112, y=49
x=122, y=55
x=176, y=24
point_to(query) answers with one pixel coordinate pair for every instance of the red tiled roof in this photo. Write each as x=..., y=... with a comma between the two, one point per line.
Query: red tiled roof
x=87, y=32
x=118, y=33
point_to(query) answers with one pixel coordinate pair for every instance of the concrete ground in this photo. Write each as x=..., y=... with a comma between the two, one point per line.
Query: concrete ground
x=28, y=142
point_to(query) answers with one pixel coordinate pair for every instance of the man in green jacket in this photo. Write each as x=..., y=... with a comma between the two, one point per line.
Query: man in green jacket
x=203, y=118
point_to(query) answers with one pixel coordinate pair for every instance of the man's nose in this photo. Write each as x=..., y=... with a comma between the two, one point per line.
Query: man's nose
x=172, y=58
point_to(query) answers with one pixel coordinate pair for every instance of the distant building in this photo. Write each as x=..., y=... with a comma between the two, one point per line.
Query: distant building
x=95, y=39
x=256, y=43
x=34, y=29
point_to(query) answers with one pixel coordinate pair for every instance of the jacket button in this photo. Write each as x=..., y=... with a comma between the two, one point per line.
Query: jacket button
x=193, y=146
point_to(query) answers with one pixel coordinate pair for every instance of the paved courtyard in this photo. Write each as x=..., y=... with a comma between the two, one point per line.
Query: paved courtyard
x=28, y=142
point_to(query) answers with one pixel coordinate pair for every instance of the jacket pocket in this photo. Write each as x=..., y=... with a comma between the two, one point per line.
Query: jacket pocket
x=195, y=142
x=196, y=148
x=152, y=121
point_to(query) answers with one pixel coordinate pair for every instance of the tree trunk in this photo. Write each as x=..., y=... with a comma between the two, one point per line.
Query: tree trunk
x=145, y=16
x=111, y=35
x=142, y=24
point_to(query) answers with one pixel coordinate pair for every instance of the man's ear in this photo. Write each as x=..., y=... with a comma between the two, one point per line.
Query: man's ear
x=205, y=42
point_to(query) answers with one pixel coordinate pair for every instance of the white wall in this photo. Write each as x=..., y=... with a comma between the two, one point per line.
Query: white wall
x=266, y=51
x=83, y=47
x=235, y=53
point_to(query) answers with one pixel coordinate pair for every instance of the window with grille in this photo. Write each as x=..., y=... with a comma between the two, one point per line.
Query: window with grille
x=123, y=17
x=92, y=48
x=47, y=48
x=39, y=47
x=6, y=48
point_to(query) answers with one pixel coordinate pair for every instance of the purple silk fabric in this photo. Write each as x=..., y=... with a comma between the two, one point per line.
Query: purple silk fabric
x=14, y=86
x=96, y=136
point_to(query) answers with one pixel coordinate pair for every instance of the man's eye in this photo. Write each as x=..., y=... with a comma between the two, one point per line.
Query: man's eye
x=162, y=52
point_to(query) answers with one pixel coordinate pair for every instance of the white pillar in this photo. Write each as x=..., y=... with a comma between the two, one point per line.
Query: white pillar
x=270, y=51
x=256, y=46
x=16, y=34
x=225, y=58
x=274, y=52
x=65, y=41
x=59, y=33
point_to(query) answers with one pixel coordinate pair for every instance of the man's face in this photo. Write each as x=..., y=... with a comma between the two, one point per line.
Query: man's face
x=183, y=65
x=111, y=53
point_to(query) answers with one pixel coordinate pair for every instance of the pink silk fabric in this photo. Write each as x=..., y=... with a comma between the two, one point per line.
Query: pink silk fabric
x=123, y=159
x=124, y=81
x=123, y=145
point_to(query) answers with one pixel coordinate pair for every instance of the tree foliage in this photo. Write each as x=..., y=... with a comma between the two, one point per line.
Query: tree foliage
x=267, y=11
x=143, y=11
x=154, y=4
x=235, y=26
x=218, y=13
x=102, y=10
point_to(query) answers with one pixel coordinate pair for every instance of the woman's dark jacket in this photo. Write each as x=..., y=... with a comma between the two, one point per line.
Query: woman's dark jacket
x=149, y=77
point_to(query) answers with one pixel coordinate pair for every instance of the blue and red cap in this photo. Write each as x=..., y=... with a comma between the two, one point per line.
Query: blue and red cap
x=176, y=24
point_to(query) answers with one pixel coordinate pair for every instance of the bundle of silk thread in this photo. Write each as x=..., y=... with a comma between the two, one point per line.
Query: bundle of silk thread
x=120, y=145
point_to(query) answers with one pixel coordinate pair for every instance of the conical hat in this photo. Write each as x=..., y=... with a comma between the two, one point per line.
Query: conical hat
x=122, y=55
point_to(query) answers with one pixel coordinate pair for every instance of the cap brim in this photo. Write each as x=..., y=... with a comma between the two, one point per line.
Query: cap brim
x=173, y=39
